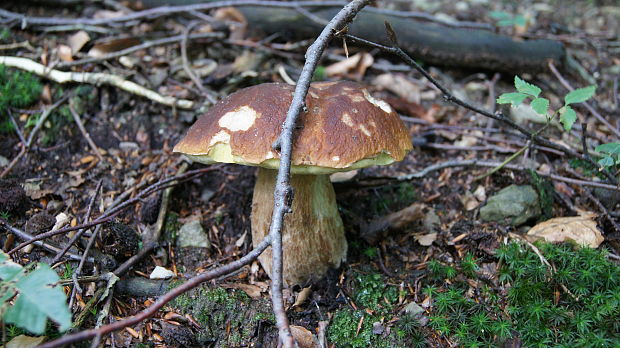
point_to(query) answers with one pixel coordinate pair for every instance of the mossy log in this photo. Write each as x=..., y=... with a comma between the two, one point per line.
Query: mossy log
x=433, y=43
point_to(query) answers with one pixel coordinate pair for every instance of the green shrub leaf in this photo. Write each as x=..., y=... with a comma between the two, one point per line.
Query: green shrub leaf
x=579, y=95
x=36, y=298
x=568, y=117
x=611, y=148
x=540, y=105
x=527, y=88
x=606, y=161
x=511, y=98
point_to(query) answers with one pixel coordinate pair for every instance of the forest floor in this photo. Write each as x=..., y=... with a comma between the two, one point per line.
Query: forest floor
x=436, y=274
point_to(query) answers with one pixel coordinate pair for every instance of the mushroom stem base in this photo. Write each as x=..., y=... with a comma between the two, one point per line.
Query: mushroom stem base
x=313, y=234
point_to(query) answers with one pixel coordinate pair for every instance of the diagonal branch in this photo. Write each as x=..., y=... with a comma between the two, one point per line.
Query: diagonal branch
x=283, y=191
x=448, y=96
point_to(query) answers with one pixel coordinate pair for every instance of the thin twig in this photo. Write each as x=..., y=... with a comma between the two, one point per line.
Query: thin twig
x=27, y=236
x=152, y=309
x=93, y=78
x=283, y=192
x=113, y=211
x=169, y=10
x=478, y=163
x=603, y=210
x=159, y=42
x=79, y=233
x=78, y=271
x=394, y=49
x=28, y=143
x=89, y=140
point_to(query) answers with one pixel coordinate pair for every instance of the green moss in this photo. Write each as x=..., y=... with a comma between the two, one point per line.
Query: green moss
x=228, y=317
x=372, y=292
x=533, y=303
x=18, y=89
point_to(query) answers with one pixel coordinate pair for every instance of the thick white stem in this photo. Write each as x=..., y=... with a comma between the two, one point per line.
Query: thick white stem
x=313, y=235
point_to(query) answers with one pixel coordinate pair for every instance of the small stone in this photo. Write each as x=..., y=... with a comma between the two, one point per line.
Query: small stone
x=377, y=328
x=514, y=203
x=413, y=309
x=192, y=234
x=3, y=161
x=161, y=273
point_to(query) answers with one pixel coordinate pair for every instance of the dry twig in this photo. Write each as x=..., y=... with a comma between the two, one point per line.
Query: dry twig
x=93, y=78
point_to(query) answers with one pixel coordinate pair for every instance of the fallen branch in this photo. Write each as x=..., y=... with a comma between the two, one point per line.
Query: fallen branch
x=159, y=42
x=94, y=79
x=477, y=163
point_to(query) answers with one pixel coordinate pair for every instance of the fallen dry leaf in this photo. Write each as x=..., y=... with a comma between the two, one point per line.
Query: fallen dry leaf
x=469, y=201
x=580, y=229
x=251, y=290
x=303, y=336
x=23, y=341
x=400, y=85
x=64, y=53
x=426, y=239
x=78, y=40
x=105, y=47
x=302, y=296
x=353, y=67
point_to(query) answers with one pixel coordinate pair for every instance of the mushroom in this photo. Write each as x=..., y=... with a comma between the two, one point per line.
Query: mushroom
x=343, y=128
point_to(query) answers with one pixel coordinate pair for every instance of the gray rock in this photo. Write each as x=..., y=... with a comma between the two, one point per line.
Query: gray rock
x=377, y=328
x=413, y=309
x=515, y=203
x=193, y=235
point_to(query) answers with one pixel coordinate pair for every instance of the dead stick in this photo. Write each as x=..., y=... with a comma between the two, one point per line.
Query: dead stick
x=283, y=191
x=149, y=311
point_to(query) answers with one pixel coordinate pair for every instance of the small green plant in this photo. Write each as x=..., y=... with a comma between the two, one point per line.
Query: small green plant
x=5, y=215
x=27, y=298
x=540, y=105
x=611, y=154
x=505, y=19
x=67, y=273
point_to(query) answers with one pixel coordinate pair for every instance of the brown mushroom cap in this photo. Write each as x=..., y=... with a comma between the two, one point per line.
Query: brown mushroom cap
x=344, y=128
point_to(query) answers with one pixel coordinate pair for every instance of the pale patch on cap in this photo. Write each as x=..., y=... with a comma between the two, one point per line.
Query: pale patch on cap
x=378, y=102
x=240, y=119
x=364, y=130
x=346, y=119
x=220, y=137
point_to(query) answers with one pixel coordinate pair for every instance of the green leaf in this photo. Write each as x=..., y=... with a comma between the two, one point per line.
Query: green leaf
x=540, y=105
x=579, y=95
x=37, y=300
x=611, y=148
x=527, y=88
x=8, y=268
x=567, y=117
x=513, y=98
x=606, y=161
x=520, y=21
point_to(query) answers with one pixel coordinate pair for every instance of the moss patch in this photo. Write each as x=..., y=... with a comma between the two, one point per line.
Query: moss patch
x=229, y=318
